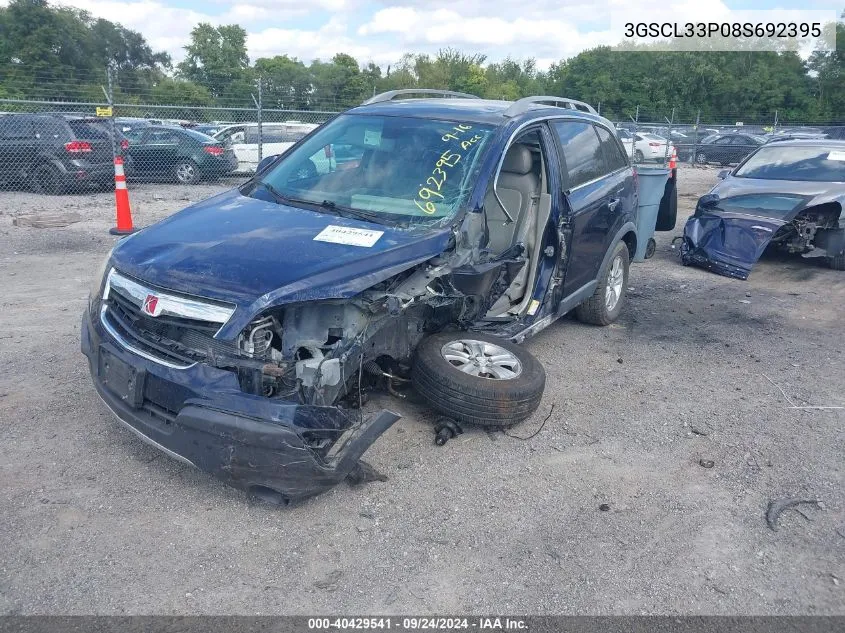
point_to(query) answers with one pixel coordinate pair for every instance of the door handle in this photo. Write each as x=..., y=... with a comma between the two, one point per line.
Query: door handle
x=614, y=202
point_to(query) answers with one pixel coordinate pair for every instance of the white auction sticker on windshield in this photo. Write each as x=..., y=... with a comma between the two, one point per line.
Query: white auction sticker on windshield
x=372, y=137
x=836, y=155
x=348, y=235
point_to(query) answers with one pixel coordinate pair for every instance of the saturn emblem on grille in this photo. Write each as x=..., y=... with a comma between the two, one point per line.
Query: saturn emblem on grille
x=151, y=306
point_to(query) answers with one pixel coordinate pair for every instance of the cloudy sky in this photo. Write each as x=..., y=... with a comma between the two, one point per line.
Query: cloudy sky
x=382, y=30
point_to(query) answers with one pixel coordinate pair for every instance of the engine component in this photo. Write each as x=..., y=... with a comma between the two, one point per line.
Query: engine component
x=255, y=340
x=318, y=370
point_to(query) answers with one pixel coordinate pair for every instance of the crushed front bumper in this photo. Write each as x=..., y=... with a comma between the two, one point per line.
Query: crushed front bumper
x=278, y=450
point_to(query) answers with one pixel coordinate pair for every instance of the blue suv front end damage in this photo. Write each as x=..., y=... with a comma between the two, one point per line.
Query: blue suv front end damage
x=275, y=449
x=242, y=334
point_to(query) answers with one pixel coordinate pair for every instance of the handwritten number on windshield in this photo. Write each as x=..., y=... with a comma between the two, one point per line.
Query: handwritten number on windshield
x=439, y=175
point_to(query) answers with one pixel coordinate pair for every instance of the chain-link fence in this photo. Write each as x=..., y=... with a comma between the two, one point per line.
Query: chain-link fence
x=60, y=146
x=707, y=138
x=53, y=147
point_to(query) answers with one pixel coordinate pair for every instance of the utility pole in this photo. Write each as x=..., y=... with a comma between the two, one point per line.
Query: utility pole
x=695, y=138
x=668, y=136
x=258, y=116
x=109, y=92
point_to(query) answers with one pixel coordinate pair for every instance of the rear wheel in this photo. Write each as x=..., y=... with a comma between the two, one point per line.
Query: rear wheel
x=837, y=262
x=187, y=172
x=478, y=378
x=604, y=306
x=701, y=158
x=638, y=156
x=47, y=180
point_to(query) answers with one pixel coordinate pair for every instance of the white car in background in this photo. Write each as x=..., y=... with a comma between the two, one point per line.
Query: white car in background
x=276, y=139
x=644, y=146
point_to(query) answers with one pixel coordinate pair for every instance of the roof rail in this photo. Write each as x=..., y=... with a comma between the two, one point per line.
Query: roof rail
x=525, y=103
x=390, y=94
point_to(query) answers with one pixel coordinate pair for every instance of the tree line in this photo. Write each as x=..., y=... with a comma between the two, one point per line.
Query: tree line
x=62, y=53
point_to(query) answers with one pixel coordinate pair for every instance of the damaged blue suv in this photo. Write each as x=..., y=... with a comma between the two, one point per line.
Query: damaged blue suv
x=406, y=240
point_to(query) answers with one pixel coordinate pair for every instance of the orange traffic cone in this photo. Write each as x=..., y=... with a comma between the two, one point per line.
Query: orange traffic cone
x=673, y=162
x=121, y=198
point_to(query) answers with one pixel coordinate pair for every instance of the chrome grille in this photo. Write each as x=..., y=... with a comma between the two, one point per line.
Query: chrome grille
x=180, y=335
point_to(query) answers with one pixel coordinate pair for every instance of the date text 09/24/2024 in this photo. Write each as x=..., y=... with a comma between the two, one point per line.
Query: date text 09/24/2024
x=417, y=623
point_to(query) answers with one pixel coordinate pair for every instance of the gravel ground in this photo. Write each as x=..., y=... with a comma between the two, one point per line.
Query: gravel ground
x=699, y=367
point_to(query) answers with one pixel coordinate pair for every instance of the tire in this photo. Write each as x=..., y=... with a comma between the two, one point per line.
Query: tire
x=650, y=248
x=477, y=399
x=598, y=310
x=187, y=173
x=701, y=158
x=46, y=180
x=837, y=262
x=638, y=157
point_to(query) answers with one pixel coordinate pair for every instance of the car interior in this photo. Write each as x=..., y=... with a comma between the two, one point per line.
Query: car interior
x=517, y=209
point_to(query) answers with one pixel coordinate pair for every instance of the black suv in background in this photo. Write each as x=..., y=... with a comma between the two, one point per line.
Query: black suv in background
x=54, y=153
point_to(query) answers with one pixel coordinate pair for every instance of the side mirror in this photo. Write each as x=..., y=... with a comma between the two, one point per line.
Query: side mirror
x=723, y=174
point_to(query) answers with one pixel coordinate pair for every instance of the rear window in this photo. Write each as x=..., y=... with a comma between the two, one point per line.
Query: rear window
x=807, y=164
x=199, y=136
x=87, y=129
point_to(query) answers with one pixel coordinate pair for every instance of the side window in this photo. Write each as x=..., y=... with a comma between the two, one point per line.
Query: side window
x=15, y=127
x=134, y=136
x=161, y=137
x=741, y=140
x=582, y=152
x=725, y=140
x=613, y=155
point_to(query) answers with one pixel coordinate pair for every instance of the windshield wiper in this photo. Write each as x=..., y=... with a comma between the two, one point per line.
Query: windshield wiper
x=342, y=210
x=327, y=205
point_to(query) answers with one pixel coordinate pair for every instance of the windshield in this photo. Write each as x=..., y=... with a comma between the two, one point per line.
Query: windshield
x=393, y=169
x=808, y=164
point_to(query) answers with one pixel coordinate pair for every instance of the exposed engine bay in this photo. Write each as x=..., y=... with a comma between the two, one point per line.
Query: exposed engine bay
x=801, y=233
x=332, y=352
x=727, y=237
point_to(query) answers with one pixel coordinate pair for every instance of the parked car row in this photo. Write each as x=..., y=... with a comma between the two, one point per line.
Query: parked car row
x=55, y=152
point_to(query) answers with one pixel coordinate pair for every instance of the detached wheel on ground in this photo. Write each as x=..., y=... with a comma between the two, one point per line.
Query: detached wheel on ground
x=187, y=172
x=604, y=306
x=477, y=378
x=45, y=179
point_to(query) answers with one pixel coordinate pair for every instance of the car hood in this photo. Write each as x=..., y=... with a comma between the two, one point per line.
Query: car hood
x=256, y=253
x=736, y=221
x=812, y=193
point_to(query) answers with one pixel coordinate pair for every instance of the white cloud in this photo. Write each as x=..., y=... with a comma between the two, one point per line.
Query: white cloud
x=546, y=30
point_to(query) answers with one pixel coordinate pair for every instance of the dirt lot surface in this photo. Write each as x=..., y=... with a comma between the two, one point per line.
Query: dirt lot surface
x=699, y=367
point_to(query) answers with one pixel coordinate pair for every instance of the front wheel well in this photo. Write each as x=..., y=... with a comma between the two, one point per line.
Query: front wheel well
x=630, y=239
